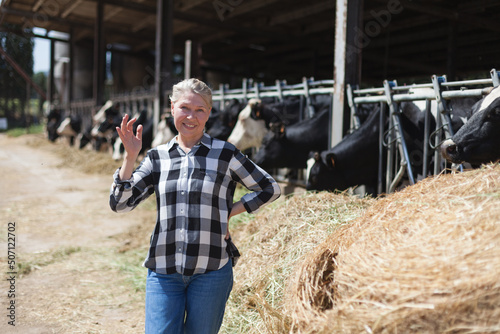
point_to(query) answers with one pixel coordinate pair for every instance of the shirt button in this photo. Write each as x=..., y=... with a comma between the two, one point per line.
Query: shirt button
x=182, y=192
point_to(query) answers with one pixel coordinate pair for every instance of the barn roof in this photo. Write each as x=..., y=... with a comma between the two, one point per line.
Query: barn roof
x=290, y=39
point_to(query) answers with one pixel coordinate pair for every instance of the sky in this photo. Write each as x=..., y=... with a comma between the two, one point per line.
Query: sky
x=41, y=53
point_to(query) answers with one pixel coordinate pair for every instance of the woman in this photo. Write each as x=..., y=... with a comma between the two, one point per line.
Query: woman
x=193, y=177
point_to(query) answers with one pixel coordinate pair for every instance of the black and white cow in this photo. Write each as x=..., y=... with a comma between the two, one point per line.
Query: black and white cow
x=165, y=132
x=478, y=141
x=289, y=146
x=54, y=119
x=222, y=122
x=70, y=128
x=351, y=162
x=255, y=119
x=104, y=131
x=354, y=160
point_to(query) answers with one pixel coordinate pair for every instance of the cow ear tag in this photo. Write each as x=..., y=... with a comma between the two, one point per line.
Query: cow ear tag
x=282, y=130
x=333, y=162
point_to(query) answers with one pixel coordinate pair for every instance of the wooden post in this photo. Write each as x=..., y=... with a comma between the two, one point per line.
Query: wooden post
x=71, y=65
x=163, y=60
x=99, y=55
x=347, y=65
x=50, y=83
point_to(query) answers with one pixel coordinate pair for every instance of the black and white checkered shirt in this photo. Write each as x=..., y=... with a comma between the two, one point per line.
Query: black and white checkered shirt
x=194, y=196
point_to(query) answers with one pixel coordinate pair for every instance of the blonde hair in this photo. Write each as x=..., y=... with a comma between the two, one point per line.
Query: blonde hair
x=192, y=85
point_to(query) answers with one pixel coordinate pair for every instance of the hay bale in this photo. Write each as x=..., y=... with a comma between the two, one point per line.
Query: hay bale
x=423, y=260
x=272, y=245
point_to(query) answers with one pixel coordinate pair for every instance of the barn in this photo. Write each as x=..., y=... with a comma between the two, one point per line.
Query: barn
x=132, y=51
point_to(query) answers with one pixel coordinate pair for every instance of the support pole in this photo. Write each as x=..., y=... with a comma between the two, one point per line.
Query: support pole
x=99, y=55
x=50, y=84
x=71, y=71
x=347, y=62
x=187, y=59
x=163, y=60
x=337, y=118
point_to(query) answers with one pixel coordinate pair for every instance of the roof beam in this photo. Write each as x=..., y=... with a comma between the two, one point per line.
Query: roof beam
x=143, y=23
x=37, y=5
x=302, y=12
x=250, y=7
x=185, y=5
x=112, y=12
x=70, y=8
x=480, y=22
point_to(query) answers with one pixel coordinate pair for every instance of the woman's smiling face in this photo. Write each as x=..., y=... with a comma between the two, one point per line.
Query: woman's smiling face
x=190, y=115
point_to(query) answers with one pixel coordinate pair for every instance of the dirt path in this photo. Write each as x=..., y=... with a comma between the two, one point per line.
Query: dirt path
x=65, y=234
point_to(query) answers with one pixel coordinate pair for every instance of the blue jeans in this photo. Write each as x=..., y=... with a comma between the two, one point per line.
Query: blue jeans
x=177, y=304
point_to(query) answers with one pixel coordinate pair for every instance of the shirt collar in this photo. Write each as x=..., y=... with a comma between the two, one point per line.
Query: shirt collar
x=206, y=140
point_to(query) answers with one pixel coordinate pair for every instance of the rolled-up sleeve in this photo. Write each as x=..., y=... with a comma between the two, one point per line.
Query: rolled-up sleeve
x=263, y=186
x=125, y=195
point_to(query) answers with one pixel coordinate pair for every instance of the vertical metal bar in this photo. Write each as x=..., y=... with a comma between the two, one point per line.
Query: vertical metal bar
x=427, y=121
x=279, y=90
x=309, y=109
x=257, y=93
x=187, y=60
x=245, y=90
x=355, y=123
x=495, y=78
x=382, y=120
x=403, y=147
x=443, y=121
x=395, y=116
x=221, y=90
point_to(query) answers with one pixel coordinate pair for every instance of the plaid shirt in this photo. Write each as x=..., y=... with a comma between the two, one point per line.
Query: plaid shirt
x=194, y=196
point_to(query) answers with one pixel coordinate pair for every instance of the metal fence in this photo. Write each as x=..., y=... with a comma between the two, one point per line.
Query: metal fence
x=390, y=95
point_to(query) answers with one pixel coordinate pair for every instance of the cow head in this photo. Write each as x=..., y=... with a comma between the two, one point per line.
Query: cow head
x=255, y=106
x=478, y=141
x=248, y=131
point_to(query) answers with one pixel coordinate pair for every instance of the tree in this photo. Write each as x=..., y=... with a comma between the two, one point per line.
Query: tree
x=12, y=85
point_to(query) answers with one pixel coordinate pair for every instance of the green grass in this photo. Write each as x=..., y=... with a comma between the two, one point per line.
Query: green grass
x=24, y=267
x=130, y=264
x=34, y=129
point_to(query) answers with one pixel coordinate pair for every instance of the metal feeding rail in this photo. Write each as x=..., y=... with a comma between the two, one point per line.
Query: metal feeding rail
x=251, y=89
x=390, y=96
x=306, y=90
